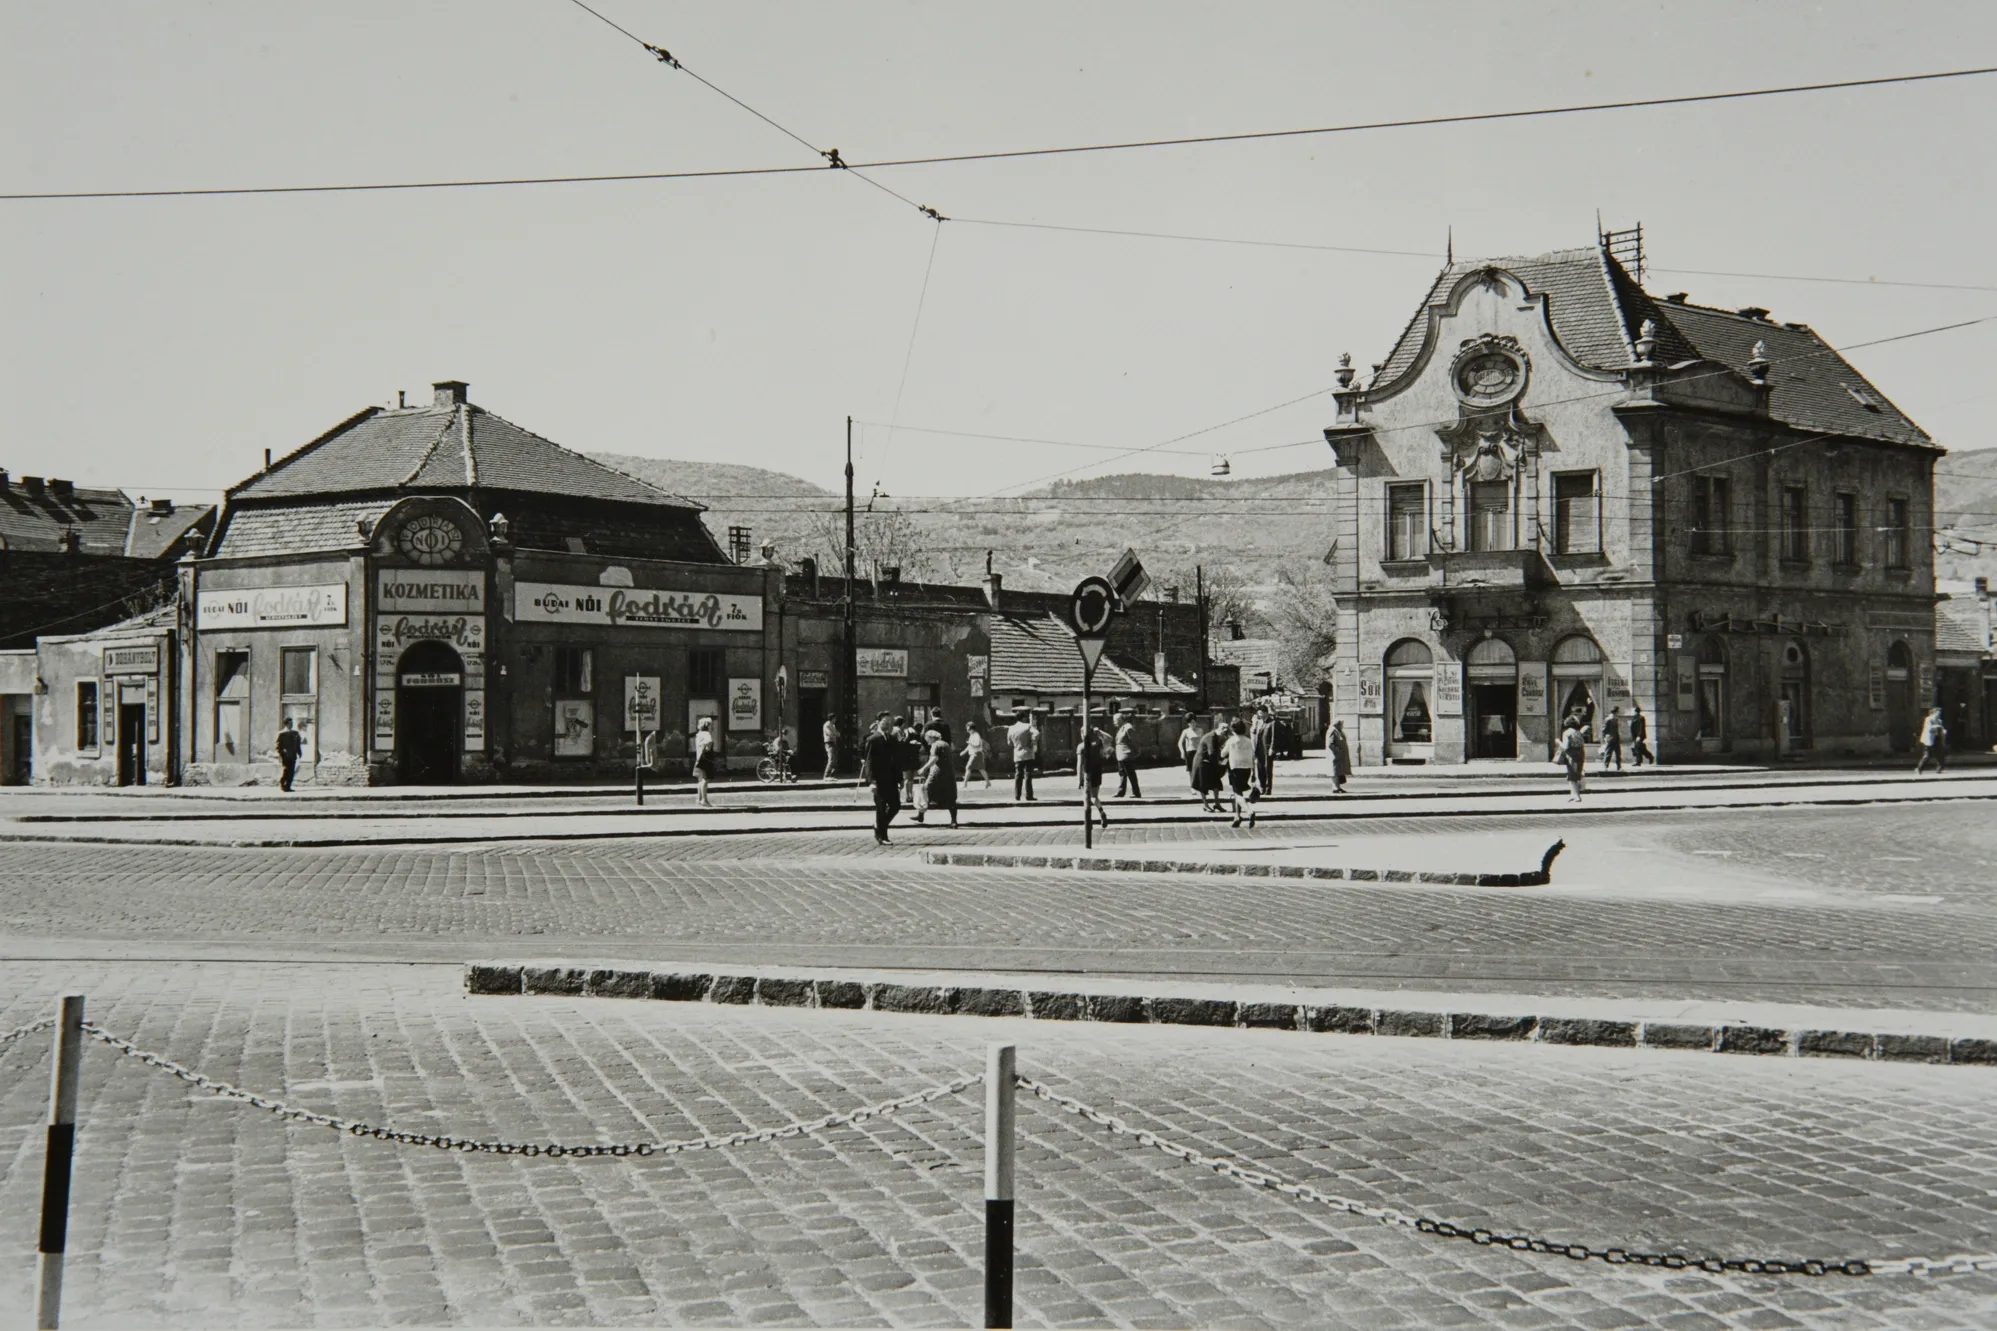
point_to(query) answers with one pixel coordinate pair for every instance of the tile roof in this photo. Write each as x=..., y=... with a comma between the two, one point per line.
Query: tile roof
x=165, y=615
x=1038, y=655
x=36, y=519
x=452, y=447
x=1962, y=625
x=300, y=530
x=1597, y=311
x=156, y=534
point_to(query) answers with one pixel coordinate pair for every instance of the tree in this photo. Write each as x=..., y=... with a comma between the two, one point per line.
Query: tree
x=883, y=538
x=1226, y=592
x=1305, y=616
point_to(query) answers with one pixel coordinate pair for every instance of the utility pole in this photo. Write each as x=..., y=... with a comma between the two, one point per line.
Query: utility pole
x=849, y=691
x=1200, y=596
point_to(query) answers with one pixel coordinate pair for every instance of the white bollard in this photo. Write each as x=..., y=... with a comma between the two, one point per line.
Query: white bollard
x=61, y=1150
x=1001, y=1078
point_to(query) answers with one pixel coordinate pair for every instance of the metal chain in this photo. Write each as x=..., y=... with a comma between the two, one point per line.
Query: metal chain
x=445, y=1142
x=20, y=1032
x=1960, y=1264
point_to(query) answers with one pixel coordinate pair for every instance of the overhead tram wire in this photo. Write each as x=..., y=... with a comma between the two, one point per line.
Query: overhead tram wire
x=1466, y=118
x=908, y=359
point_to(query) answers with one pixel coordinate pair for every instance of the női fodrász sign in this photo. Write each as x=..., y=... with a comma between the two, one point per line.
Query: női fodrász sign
x=322, y=606
x=643, y=607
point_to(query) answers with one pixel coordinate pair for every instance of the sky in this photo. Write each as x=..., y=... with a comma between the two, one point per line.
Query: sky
x=160, y=345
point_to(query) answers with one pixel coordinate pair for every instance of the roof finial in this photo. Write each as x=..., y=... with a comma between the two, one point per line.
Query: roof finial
x=1646, y=341
x=1757, y=362
x=1344, y=372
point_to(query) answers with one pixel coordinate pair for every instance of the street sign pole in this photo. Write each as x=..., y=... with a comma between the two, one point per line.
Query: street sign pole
x=1090, y=610
x=1088, y=823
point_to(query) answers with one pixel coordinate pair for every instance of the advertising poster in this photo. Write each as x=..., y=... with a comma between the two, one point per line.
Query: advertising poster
x=745, y=704
x=1875, y=688
x=1532, y=688
x=1372, y=690
x=883, y=662
x=323, y=606
x=1448, y=689
x=575, y=728
x=646, y=607
x=641, y=703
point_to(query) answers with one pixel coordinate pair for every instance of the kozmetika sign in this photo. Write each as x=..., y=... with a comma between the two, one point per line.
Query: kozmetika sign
x=322, y=606
x=403, y=589
x=645, y=607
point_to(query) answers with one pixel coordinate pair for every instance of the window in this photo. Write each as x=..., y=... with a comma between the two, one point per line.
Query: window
x=1407, y=521
x=1490, y=515
x=1795, y=524
x=232, y=705
x=1847, y=531
x=1896, y=534
x=296, y=668
x=1577, y=513
x=1711, y=534
x=86, y=714
x=574, y=667
x=924, y=702
x=705, y=667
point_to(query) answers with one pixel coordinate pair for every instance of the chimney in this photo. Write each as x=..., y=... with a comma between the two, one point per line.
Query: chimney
x=266, y=459
x=891, y=575
x=450, y=392
x=808, y=567
x=33, y=485
x=1677, y=298
x=994, y=583
x=1158, y=667
x=162, y=507
x=1754, y=312
x=5, y=482
x=62, y=489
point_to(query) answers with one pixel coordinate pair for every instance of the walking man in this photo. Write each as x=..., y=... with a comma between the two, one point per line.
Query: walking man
x=289, y=745
x=1341, y=757
x=1089, y=770
x=1126, y=757
x=1934, y=743
x=880, y=766
x=1639, y=735
x=829, y=733
x=1612, y=739
x=1024, y=736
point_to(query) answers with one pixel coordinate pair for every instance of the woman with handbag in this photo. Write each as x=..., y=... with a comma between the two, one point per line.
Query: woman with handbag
x=706, y=762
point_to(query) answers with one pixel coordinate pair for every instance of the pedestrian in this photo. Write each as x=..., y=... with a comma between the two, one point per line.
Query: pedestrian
x=974, y=755
x=829, y=735
x=914, y=754
x=1264, y=736
x=1024, y=737
x=1639, y=735
x=1212, y=764
x=1189, y=750
x=705, y=761
x=1089, y=770
x=1572, y=753
x=1241, y=771
x=937, y=778
x=1612, y=739
x=1126, y=756
x=880, y=767
x=941, y=727
x=289, y=745
x=1341, y=757
x=1934, y=743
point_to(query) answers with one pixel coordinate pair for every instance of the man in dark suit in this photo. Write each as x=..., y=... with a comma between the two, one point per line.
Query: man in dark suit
x=881, y=763
x=289, y=745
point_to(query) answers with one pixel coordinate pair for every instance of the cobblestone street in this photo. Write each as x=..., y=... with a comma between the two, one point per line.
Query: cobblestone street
x=196, y=1212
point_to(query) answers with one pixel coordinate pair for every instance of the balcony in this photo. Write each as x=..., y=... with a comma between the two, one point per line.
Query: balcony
x=1469, y=571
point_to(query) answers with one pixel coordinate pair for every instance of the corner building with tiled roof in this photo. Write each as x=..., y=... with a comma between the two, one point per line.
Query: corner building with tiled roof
x=1561, y=495
x=432, y=594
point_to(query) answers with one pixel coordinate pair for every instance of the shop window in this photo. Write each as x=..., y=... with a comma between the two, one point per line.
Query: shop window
x=86, y=714
x=296, y=668
x=1490, y=515
x=1577, y=513
x=1896, y=532
x=574, y=667
x=1711, y=529
x=1407, y=521
x=232, y=706
x=1847, y=530
x=1795, y=524
x=924, y=702
x=299, y=686
x=705, y=670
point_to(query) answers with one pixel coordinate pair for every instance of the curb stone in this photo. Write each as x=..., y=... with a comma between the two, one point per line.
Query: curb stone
x=509, y=979
x=988, y=859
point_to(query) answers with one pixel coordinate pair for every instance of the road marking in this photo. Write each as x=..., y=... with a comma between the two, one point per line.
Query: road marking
x=1802, y=855
x=1897, y=859
x=1910, y=899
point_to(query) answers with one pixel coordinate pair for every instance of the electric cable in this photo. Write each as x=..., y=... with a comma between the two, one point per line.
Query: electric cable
x=908, y=358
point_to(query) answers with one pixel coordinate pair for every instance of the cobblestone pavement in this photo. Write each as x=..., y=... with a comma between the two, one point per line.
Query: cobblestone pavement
x=195, y=1212
x=1868, y=907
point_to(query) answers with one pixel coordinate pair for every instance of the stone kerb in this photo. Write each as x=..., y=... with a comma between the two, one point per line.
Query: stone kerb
x=795, y=991
x=1481, y=877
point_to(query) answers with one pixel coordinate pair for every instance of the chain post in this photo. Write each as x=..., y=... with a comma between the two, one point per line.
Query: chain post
x=68, y=1067
x=1001, y=1084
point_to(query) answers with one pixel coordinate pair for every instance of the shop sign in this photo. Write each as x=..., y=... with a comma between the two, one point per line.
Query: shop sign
x=402, y=589
x=384, y=717
x=432, y=679
x=1448, y=689
x=642, y=607
x=1673, y=641
x=132, y=660
x=883, y=662
x=323, y=606
x=1532, y=688
x=1372, y=691
x=641, y=703
x=575, y=728
x=1927, y=683
x=1687, y=673
x=745, y=704
x=474, y=720
x=394, y=632
x=813, y=679
x=152, y=710
x=1616, y=690
x=1875, y=688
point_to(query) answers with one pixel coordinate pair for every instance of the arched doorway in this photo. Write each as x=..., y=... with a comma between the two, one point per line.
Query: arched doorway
x=1712, y=695
x=429, y=714
x=1793, y=720
x=1410, y=671
x=1577, y=682
x=1494, y=699
x=1900, y=697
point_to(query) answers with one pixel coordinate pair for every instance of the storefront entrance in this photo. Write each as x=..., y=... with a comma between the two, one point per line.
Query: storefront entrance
x=1577, y=683
x=132, y=743
x=811, y=732
x=1494, y=700
x=1410, y=682
x=1900, y=725
x=429, y=714
x=1794, y=723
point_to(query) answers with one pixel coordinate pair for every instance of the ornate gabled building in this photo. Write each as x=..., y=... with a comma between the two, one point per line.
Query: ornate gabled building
x=1560, y=495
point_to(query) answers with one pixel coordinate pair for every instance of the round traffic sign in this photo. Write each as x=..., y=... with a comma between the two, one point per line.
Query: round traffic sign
x=1090, y=609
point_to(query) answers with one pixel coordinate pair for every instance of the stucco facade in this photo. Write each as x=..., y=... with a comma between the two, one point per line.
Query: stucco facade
x=1559, y=495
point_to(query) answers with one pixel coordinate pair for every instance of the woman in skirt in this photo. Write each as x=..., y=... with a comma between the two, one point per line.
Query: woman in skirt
x=1210, y=767
x=938, y=779
x=705, y=761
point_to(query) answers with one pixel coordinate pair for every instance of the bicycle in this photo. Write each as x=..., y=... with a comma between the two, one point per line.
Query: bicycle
x=776, y=768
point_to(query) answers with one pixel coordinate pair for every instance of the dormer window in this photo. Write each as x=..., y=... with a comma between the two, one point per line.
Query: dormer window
x=1865, y=397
